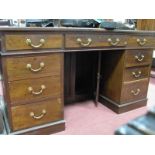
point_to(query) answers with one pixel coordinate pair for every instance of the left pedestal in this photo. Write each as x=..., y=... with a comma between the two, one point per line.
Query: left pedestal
x=33, y=93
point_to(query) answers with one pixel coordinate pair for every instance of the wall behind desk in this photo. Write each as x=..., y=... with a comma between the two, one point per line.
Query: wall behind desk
x=146, y=24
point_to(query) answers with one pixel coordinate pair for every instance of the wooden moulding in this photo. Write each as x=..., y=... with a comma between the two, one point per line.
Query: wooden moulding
x=124, y=107
x=43, y=129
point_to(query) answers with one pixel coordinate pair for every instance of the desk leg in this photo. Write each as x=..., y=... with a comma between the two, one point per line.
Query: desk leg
x=98, y=78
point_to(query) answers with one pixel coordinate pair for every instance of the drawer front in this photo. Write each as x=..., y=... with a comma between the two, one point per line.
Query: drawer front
x=138, y=57
x=29, y=115
x=141, y=41
x=136, y=73
x=86, y=41
x=33, y=41
x=32, y=67
x=135, y=90
x=31, y=90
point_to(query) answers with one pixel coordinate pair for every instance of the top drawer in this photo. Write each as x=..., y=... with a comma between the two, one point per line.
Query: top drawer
x=82, y=40
x=141, y=41
x=32, y=41
x=138, y=57
x=21, y=67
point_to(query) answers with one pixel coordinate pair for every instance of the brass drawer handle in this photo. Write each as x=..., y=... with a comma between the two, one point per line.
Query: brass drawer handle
x=29, y=66
x=89, y=41
x=140, y=58
x=141, y=42
x=136, y=75
x=39, y=116
x=135, y=92
x=30, y=89
x=29, y=43
x=113, y=43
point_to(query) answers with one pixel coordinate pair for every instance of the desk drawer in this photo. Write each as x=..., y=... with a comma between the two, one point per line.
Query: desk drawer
x=33, y=41
x=26, y=116
x=81, y=40
x=31, y=90
x=136, y=90
x=138, y=57
x=33, y=66
x=141, y=41
x=136, y=73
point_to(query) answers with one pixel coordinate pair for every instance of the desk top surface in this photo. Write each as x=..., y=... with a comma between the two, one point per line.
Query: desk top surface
x=71, y=29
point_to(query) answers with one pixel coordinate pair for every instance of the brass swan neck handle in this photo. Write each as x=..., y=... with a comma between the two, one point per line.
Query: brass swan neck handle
x=89, y=41
x=39, y=116
x=41, y=43
x=29, y=66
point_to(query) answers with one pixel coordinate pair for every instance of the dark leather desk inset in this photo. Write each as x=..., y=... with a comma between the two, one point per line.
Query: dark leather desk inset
x=43, y=68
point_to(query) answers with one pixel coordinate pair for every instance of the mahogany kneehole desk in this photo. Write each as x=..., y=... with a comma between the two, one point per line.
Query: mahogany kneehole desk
x=44, y=68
